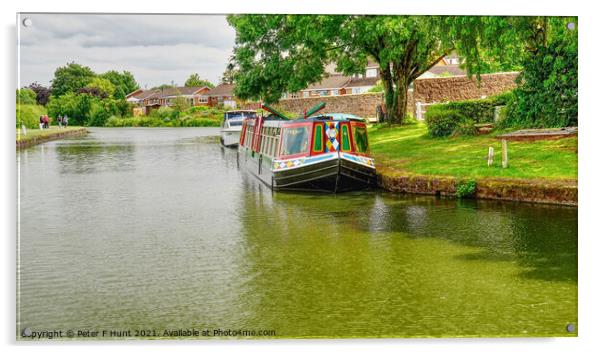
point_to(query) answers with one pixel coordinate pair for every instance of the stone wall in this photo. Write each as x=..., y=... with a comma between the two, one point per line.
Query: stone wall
x=363, y=105
x=459, y=88
x=428, y=90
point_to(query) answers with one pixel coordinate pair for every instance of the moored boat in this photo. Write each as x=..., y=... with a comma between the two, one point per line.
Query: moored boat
x=327, y=152
x=232, y=125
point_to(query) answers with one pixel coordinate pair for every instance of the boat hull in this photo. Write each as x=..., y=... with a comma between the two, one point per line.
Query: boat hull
x=333, y=172
x=230, y=137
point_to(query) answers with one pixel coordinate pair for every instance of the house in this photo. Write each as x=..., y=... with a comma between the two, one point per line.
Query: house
x=441, y=70
x=336, y=84
x=153, y=99
x=220, y=94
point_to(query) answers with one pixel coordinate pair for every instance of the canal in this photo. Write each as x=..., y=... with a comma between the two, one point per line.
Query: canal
x=155, y=229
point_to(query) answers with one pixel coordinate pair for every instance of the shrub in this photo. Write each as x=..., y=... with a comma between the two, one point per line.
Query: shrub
x=442, y=121
x=29, y=115
x=458, y=118
x=466, y=189
x=547, y=95
x=465, y=128
x=164, y=112
x=156, y=121
x=26, y=96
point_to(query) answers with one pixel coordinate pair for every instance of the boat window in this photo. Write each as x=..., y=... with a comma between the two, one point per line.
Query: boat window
x=360, y=138
x=295, y=140
x=276, y=141
x=240, y=115
x=345, y=144
x=248, y=135
x=318, y=138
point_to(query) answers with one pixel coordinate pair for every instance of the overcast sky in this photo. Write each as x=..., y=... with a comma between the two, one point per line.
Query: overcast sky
x=157, y=49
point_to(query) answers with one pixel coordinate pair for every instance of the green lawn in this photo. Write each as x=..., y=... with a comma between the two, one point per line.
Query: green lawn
x=410, y=150
x=37, y=133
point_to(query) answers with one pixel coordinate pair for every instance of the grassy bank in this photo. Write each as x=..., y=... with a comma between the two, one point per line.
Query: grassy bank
x=408, y=150
x=37, y=136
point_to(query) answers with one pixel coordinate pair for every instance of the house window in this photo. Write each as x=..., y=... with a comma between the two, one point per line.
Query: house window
x=203, y=99
x=335, y=92
x=305, y=94
x=371, y=73
x=323, y=92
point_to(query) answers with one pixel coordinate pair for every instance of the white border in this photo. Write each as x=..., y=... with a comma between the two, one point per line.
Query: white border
x=589, y=160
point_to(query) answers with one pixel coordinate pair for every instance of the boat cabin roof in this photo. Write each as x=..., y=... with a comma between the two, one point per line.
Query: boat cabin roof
x=337, y=117
x=241, y=110
x=275, y=121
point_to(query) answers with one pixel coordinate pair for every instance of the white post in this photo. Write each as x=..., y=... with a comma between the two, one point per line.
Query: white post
x=23, y=129
x=418, y=110
x=504, y=153
x=490, y=157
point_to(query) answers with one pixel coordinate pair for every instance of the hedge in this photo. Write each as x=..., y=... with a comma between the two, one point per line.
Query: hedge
x=456, y=117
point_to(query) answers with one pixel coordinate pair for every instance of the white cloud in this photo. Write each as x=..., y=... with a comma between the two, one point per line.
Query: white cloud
x=155, y=48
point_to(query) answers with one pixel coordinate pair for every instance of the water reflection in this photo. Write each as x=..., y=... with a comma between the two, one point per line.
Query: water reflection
x=139, y=228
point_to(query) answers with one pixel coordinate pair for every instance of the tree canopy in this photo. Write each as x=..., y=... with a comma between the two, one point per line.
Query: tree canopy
x=123, y=82
x=42, y=93
x=26, y=96
x=194, y=80
x=284, y=53
x=71, y=78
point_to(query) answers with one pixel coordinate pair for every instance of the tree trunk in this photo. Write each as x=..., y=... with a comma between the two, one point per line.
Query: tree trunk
x=401, y=104
x=390, y=97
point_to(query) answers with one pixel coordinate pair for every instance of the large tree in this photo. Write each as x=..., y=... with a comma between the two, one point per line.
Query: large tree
x=124, y=82
x=285, y=53
x=194, y=80
x=228, y=74
x=71, y=78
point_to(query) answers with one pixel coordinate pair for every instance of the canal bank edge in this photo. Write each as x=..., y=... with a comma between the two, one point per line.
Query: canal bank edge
x=35, y=140
x=561, y=192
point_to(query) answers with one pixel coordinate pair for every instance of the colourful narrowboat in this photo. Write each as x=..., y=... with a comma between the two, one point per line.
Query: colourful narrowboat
x=320, y=153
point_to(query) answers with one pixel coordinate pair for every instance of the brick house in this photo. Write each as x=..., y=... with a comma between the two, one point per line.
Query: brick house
x=221, y=94
x=153, y=99
x=337, y=84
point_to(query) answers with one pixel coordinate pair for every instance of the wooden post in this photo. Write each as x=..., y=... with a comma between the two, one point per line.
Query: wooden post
x=490, y=157
x=504, y=153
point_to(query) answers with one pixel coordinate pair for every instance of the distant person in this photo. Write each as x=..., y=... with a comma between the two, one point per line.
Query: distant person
x=46, y=121
x=41, y=122
x=65, y=121
x=59, y=120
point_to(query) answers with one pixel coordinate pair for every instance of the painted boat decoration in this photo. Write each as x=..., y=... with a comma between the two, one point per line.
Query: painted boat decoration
x=326, y=152
x=232, y=125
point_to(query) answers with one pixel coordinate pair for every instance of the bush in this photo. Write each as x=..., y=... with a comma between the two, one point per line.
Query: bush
x=459, y=118
x=465, y=128
x=442, y=121
x=85, y=109
x=547, y=95
x=29, y=115
x=26, y=96
x=164, y=112
x=466, y=189
x=156, y=121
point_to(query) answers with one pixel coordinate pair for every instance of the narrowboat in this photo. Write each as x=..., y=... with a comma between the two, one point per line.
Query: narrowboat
x=232, y=125
x=327, y=152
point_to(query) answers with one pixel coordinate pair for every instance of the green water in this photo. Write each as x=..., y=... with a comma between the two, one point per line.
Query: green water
x=154, y=229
